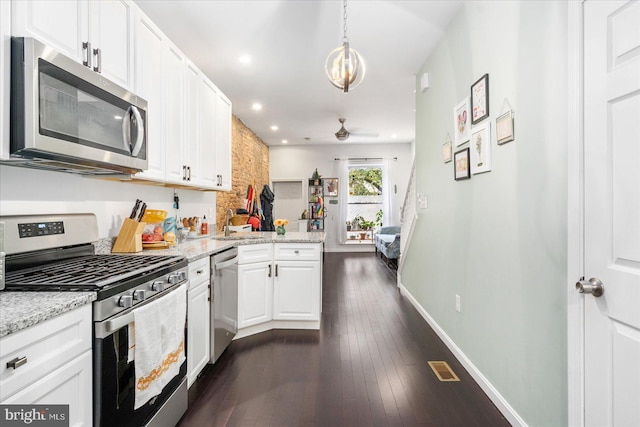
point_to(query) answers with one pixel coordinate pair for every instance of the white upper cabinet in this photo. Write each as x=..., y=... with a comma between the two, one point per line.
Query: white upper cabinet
x=110, y=31
x=63, y=25
x=190, y=149
x=95, y=33
x=223, y=143
x=148, y=61
x=173, y=104
x=209, y=124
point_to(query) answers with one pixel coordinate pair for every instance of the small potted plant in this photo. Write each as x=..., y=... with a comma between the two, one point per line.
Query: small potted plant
x=357, y=222
x=280, y=226
x=315, y=177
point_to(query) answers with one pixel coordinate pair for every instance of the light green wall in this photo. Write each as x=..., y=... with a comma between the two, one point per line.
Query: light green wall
x=499, y=239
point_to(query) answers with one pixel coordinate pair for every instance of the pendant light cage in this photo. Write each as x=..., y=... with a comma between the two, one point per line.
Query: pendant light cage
x=344, y=66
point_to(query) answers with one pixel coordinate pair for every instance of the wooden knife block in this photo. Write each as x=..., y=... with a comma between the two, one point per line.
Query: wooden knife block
x=130, y=237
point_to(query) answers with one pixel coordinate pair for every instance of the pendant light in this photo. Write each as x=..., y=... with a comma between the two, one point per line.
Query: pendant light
x=345, y=66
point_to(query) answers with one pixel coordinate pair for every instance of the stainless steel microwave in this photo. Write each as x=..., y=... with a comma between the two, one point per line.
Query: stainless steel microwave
x=65, y=116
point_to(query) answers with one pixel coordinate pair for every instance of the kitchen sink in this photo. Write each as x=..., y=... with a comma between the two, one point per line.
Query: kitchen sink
x=239, y=236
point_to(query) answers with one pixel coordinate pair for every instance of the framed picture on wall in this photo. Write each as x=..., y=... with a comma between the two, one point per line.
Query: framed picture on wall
x=461, y=122
x=480, y=99
x=446, y=150
x=461, y=165
x=332, y=187
x=504, y=128
x=481, y=148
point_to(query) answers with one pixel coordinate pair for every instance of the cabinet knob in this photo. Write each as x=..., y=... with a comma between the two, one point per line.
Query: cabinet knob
x=17, y=362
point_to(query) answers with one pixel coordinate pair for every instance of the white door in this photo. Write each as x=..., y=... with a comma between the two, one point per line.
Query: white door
x=288, y=203
x=612, y=212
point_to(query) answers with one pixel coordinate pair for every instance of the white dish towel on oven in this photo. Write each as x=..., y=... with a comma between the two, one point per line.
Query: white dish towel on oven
x=159, y=343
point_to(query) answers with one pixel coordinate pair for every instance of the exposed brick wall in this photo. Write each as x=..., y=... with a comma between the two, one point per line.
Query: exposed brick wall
x=250, y=165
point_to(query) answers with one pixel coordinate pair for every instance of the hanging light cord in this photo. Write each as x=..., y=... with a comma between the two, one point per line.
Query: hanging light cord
x=344, y=37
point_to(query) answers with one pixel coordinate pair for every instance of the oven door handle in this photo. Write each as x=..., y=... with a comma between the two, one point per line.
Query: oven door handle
x=107, y=327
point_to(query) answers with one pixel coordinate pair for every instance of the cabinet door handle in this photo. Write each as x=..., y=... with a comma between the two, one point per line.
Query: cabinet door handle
x=188, y=173
x=86, y=46
x=17, y=362
x=276, y=270
x=199, y=271
x=98, y=54
x=296, y=252
x=269, y=274
x=184, y=172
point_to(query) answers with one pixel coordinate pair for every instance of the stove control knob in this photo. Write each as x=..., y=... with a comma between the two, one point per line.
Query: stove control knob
x=173, y=279
x=157, y=286
x=125, y=301
x=183, y=275
x=139, y=295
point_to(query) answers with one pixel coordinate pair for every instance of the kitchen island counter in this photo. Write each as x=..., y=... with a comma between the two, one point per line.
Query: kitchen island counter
x=194, y=249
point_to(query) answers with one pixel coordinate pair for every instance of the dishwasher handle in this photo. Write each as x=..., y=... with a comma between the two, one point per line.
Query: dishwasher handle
x=227, y=263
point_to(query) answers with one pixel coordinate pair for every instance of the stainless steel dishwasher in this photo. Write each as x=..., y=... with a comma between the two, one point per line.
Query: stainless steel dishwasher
x=224, y=300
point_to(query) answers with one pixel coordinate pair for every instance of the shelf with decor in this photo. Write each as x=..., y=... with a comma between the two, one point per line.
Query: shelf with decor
x=317, y=211
x=359, y=237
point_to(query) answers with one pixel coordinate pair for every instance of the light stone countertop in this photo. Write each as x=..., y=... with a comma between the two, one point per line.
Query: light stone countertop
x=19, y=310
x=201, y=247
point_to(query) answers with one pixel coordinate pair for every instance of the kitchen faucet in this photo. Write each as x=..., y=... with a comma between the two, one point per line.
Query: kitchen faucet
x=227, y=217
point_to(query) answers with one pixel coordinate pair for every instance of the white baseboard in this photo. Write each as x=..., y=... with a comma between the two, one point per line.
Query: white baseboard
x=501, y=403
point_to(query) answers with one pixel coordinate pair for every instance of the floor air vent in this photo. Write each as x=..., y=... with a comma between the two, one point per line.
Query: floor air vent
x=443, y=371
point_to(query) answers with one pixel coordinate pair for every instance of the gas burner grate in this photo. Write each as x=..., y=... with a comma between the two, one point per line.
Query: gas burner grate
x=88, y=272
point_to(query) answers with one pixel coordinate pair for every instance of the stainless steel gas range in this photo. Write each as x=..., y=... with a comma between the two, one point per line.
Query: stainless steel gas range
x=56, y=253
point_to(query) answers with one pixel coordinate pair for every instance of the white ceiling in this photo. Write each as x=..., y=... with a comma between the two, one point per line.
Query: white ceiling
x=289, y=41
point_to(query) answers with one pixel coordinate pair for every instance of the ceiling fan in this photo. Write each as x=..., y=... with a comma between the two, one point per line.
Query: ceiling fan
x=343, y=134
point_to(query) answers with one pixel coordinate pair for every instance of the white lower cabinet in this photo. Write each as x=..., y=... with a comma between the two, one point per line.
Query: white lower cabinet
x=198, y=326
x=57, y=366
x=296, y=290
x=255, y=294
x=279, y=286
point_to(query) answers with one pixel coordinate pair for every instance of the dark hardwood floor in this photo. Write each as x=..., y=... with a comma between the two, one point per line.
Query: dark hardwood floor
x=367, y=366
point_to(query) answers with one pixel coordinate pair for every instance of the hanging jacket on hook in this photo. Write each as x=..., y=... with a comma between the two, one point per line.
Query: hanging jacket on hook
x=266, y=200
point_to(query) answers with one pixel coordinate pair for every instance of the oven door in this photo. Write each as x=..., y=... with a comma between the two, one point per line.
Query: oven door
x=114, y=381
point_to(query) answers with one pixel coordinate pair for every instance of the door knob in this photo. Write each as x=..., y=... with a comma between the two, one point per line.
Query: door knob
x=593, y=286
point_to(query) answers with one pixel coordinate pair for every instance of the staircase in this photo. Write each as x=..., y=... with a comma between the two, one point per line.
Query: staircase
x=408, y=217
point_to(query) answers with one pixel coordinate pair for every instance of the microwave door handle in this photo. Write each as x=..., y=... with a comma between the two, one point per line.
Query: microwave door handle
x=126, y=130
x=140, y=134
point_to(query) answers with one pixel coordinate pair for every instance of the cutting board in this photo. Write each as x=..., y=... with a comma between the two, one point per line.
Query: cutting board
x=156, y=245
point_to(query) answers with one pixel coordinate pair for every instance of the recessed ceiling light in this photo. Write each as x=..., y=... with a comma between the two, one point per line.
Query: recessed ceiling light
x=244, y=59
x=284, y=141
x=117, y=117
x=256, y=106
x=274, y=127
x=394, y=136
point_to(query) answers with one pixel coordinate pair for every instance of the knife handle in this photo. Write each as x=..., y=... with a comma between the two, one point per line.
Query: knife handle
x=143, y=209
